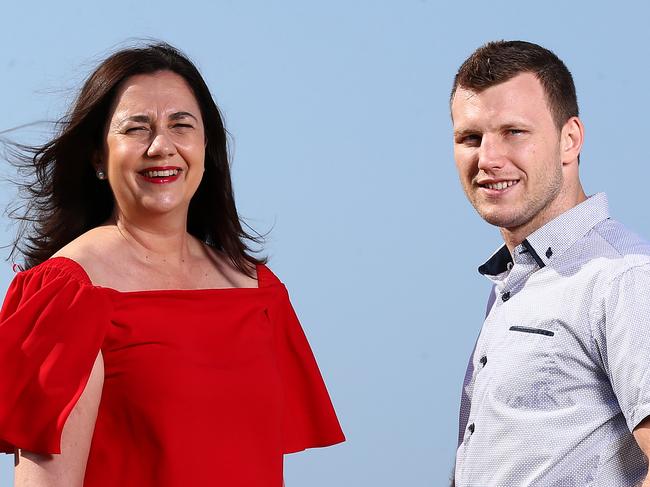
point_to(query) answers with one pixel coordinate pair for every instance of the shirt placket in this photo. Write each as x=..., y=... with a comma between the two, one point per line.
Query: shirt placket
x=507, y=285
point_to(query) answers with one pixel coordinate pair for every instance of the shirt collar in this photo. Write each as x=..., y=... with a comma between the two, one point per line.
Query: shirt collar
x=551, y=240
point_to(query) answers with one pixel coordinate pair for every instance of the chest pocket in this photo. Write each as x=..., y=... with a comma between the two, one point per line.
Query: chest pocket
x=526, y=366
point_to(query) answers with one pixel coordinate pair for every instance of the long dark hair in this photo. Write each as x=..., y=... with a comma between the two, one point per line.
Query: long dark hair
x=65, y=198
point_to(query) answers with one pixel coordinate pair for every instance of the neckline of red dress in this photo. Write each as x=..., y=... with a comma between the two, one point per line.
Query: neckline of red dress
x=79, y=272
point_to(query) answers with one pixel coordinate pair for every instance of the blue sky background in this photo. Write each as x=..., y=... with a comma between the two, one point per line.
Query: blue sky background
x=342, y=147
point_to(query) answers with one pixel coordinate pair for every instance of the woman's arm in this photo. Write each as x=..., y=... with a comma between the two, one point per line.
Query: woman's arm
x=68, y=468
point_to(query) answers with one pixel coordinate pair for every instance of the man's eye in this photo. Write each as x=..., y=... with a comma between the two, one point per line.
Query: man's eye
x=472, y=140
x=515, y=131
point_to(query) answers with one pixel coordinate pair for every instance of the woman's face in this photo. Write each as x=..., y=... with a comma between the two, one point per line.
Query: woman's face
x=154, y=147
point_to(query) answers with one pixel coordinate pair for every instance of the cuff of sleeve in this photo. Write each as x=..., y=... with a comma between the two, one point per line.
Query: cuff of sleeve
x=636, y=415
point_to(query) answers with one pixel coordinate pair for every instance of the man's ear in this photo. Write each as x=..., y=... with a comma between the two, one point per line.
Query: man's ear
x=571, y=139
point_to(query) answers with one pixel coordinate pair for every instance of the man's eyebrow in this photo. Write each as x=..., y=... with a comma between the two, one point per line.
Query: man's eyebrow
x=464, y=132
x=515, y=124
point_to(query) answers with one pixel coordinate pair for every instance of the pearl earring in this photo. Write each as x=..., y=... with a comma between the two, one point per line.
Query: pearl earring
x=101, y=175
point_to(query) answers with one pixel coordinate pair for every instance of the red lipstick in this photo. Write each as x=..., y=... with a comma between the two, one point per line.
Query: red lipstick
x=161, y=174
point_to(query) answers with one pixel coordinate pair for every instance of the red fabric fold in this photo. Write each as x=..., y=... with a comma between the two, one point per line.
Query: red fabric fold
x=51, y=329
x=309, y=419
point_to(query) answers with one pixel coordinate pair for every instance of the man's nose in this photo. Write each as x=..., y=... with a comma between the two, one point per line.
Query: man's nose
x=491, y=153
x=161, y=146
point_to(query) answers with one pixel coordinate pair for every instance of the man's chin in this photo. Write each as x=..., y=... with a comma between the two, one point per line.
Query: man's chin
x=501, y=220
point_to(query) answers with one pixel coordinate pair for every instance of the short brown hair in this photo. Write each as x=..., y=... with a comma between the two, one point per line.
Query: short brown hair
x=499, y=61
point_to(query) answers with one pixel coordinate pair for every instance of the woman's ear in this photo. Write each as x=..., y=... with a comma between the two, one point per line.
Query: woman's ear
x=96, y=161
x=99, y=166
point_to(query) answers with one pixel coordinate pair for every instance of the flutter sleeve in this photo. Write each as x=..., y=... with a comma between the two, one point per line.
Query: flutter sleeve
x=52, y=326
x=308, y=415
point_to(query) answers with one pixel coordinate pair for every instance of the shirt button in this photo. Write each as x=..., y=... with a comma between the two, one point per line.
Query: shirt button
x=505, y=296
x=471, y=428
x=483, y=360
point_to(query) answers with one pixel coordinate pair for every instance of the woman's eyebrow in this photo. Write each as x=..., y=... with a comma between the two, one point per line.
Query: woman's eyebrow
x=147, y=119
x=136, y=118
x=179, y=115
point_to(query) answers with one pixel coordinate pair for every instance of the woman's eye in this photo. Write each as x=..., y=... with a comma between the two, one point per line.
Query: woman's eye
x=132, y=130
x=182, y=126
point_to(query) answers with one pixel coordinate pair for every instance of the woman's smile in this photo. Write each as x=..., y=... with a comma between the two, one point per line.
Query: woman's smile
x=161, y=174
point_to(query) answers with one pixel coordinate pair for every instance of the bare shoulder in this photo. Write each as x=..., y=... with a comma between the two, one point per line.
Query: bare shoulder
x=93, y=250
x=234, y=276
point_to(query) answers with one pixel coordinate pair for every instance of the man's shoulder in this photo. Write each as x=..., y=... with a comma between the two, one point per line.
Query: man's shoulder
x=620, y=240
x=617, y=248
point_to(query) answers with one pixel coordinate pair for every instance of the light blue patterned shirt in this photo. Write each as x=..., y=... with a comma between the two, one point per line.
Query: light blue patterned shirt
x=560, y=375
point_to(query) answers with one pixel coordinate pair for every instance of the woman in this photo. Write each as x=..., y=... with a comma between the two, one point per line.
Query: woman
x=143, y=345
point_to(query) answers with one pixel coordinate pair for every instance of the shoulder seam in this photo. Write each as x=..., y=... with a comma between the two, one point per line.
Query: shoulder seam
x=618, y=252
x=69, y=267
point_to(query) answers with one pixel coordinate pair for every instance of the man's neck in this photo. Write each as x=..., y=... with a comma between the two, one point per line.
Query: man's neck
x=516, y=235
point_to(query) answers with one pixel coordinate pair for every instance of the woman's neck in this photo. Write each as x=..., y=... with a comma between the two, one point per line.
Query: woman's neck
x=156, y=240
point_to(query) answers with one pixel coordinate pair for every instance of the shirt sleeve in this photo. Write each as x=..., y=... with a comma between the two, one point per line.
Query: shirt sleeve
x=623, y=339
x=51, y=329
x=309, y=419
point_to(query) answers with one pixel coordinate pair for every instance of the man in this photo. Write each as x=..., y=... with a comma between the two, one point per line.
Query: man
x=557, y=390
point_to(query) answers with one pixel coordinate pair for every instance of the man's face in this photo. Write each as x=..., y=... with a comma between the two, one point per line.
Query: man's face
x=507, y=151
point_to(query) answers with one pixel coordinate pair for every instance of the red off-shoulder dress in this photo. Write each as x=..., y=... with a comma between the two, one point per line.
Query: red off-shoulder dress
x=202, y=387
